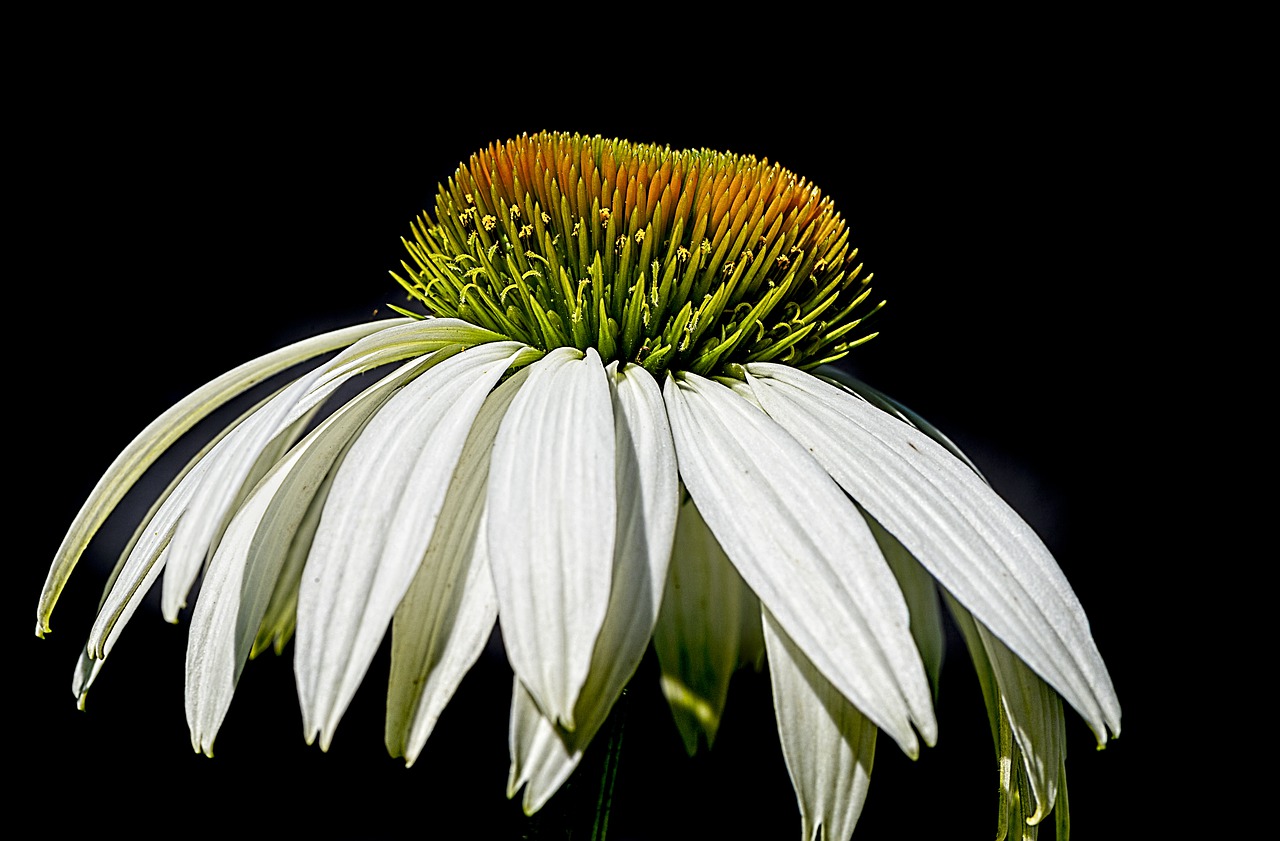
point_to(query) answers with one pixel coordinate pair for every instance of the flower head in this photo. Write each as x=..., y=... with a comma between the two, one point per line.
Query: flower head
x=672, y=260
x=615, y=425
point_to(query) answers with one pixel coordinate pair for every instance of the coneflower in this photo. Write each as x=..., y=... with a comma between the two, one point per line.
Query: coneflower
x=607, y=418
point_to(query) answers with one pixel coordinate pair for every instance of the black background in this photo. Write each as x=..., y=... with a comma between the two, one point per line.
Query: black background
x=185, y=210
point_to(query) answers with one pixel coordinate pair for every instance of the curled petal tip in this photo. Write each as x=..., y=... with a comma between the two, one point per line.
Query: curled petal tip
x=1105, y=734
x=198, y=746
x=527, y=806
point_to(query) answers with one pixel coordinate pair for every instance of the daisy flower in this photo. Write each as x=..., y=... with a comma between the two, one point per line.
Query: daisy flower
x=606, y=419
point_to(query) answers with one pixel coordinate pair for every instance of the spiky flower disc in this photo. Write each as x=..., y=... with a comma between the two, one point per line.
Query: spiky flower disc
x=671, y=259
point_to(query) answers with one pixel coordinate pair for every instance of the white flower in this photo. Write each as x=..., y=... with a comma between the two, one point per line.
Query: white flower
x=605, y=441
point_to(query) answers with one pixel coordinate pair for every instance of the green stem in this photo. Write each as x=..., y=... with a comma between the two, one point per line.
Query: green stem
x=609, y=774
x=581, y=809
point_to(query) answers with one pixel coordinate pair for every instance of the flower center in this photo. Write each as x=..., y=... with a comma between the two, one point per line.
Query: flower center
x=690, y=259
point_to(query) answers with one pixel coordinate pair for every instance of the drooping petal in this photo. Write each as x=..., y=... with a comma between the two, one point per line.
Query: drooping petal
x=827, y=743
x=440, y=630
x=699, y=630
x=449, y=611
x=406, y=341
x=135, y=571
x=86, y=672
x=395, y=344
x=221, y=480
x=541, y=758
x=969, y=539
x=751, y=647
x=552, y=516
x=1034, y=712
x=143, y=450
x=281, y=616
x=805, y=551
x=1026, y=721
x=877, y=398
x=1018, y=821
x=921, y=593
x=243, y=572
x=377, y=524
x=237, y=463
x=1062, y=809
x=648, y=499
x=648, y=495
x=146, y=556
x=217, y=478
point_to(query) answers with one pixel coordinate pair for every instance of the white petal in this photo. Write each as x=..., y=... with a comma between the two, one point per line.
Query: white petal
x=1027, y=726
x=648, y=495
x=541, y=761
x=955, y=525
x=281, y=616
x=648, y=499
x=828, y=745
x=146, y=556
x=143, y=450
x=148, y=551
x=237, y=463
x=921, y=593
x=86, y=673
x=981, y=664
x=122, y=597
x=698, y=633
x=405, y=341
x=855, y=386
x=377, y=523
x=552, y=515
x=805, y=551
x=242, y=575
x=132, y=577
x=1035, y=716
x=419, y=337
x=440, y=630
x=440, y=627
x=221, y=480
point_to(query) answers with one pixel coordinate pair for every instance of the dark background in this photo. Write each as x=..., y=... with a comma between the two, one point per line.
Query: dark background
x=183, y=213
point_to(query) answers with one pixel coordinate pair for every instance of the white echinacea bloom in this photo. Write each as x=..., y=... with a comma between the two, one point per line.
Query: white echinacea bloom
x=615, y=425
